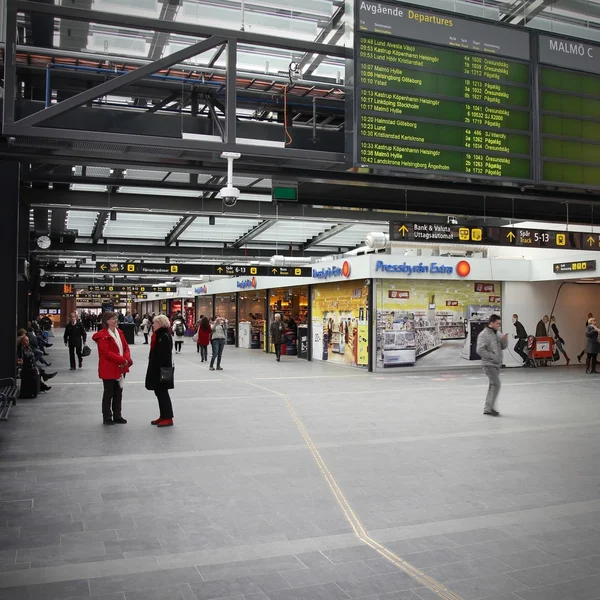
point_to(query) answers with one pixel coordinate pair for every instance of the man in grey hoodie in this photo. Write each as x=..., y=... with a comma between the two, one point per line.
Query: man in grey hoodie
x=490, y=344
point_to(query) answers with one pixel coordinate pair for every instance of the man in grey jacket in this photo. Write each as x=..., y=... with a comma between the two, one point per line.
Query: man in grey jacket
x=490, y=344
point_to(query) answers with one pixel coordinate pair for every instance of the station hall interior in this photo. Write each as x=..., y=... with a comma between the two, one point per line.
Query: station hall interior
x=347, y=252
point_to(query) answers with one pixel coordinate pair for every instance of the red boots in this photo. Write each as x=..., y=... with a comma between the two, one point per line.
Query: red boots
x=165, y=423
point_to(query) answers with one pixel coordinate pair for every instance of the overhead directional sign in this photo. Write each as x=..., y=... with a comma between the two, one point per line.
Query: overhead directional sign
x=575, y=267
x=189, y=269
x=401, y=231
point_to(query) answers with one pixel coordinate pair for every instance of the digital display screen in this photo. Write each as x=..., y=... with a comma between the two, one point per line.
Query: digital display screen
x=440, y=110
x=570, y=127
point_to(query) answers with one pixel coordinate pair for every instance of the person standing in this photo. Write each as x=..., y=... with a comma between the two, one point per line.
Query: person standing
x=146, y=327
x=161, y=355
x=541, y=329
x=217, y=338
x=521, y=337
x=74, y=337
x=204, y=331
x=276, y=332
x=114, y=360
x=179, y=331
x=560, y=343
x=490, y=344
x=137, y=320
x=592, y=346
x=590, y=316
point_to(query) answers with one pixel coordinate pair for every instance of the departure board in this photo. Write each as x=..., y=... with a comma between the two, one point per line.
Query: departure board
x=435, y=108
x=570, y=112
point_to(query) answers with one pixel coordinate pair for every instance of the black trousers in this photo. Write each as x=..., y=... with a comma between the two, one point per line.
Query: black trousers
x=520, y=347
x=112, y=399
x=72, y=350
x=164, y=404
x=178, y=346
x=277, y=350
x=590, y=363
x=145, y=338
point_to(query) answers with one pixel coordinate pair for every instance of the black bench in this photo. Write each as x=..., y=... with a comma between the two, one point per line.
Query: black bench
x=8, y=397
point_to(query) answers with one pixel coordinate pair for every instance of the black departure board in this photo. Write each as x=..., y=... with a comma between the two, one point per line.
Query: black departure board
x=570, y=112
x=434, y=108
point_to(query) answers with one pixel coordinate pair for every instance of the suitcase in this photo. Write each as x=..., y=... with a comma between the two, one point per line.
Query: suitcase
x=30, y=383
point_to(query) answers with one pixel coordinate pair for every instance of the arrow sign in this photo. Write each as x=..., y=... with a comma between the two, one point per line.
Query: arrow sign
x=591, y=241
x=511, y=236
x=103, y=267
x=403, y=230
x=274, y=271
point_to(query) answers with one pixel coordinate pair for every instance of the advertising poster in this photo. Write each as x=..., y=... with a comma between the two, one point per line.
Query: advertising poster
x=431, y=323
x=337, y=310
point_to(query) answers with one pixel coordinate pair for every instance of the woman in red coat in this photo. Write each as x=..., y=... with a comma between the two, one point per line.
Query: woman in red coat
x=204, y=331
x=114, y=360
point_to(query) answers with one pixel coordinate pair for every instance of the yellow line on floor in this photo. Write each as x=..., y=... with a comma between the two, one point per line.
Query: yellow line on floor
x=358, y=528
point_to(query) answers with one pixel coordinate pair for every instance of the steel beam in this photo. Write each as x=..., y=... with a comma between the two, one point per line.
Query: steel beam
x=183, y=224
x=10, y=68
x=324, y=159
x=112, y=85
x=160, y=38
x=121, y=19
x=163, y=103
x=231, y=93
x=99, y=226
x=321, y=237
x=255, y=231
x=140, y=251
x=96, y=201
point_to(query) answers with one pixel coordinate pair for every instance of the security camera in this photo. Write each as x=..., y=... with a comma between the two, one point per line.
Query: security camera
x=367, y=282
x=230, y=195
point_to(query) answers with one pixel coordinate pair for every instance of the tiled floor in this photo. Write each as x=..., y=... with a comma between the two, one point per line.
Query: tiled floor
x=230, y=502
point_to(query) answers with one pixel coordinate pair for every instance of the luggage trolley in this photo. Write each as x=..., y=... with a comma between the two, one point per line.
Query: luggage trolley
x=540, y=351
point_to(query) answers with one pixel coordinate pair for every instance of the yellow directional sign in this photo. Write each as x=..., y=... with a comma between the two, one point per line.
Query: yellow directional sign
x=591, y=241
x=219, y=269
x=464, y=234
x=511, y=236
x=130, y=268
x=477, y=234
x=561, y=239
x=403, y=230
x=174, y=269
x=253, y=270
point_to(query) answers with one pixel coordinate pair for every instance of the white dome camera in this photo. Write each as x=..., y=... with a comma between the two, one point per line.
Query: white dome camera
x=230, y=195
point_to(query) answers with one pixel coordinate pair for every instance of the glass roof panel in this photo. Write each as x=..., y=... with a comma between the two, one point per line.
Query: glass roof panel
x=291, y=231
x=140, y=225
x=355, y=235
x=224, y=229
x=81, y=220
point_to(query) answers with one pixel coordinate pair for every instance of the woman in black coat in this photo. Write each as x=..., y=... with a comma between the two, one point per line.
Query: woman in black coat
x=592, y=346
x=161, y=355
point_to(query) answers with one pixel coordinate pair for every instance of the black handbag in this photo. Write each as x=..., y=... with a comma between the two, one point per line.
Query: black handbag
x=167, y=375
x=86, y=351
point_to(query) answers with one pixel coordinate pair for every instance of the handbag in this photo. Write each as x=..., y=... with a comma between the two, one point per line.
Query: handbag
x=195, y=337
x=167, y=375
x=86, y=351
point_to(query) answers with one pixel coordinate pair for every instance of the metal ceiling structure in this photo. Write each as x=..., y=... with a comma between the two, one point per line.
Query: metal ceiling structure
x=119, y=117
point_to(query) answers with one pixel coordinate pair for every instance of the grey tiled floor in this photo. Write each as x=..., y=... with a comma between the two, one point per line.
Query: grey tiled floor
x=230, y=502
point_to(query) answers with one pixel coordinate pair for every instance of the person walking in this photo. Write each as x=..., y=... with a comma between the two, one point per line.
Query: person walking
x=592, y=346
x=146, y=327
x=74, y=338
x=217, y=338
x=490, y=344
x=204, y=331
x=276, y=332
x=161, y=355
x=114, y=360
x=521, y=337
x=541, y=329
x=590, y=316
x=560, y=343
x=179, y=331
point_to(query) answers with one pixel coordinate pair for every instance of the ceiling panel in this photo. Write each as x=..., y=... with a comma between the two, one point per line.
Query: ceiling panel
x=284, y=232
x=224, y=229
x=82, y=220
x=355, y=235
x=140, y=225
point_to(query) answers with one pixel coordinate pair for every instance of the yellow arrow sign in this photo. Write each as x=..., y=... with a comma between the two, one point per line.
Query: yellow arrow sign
x=220, y=269
x=403, y=230
x=103, y=267
x=591, y=241
x=274, y=271
x=511, y=236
